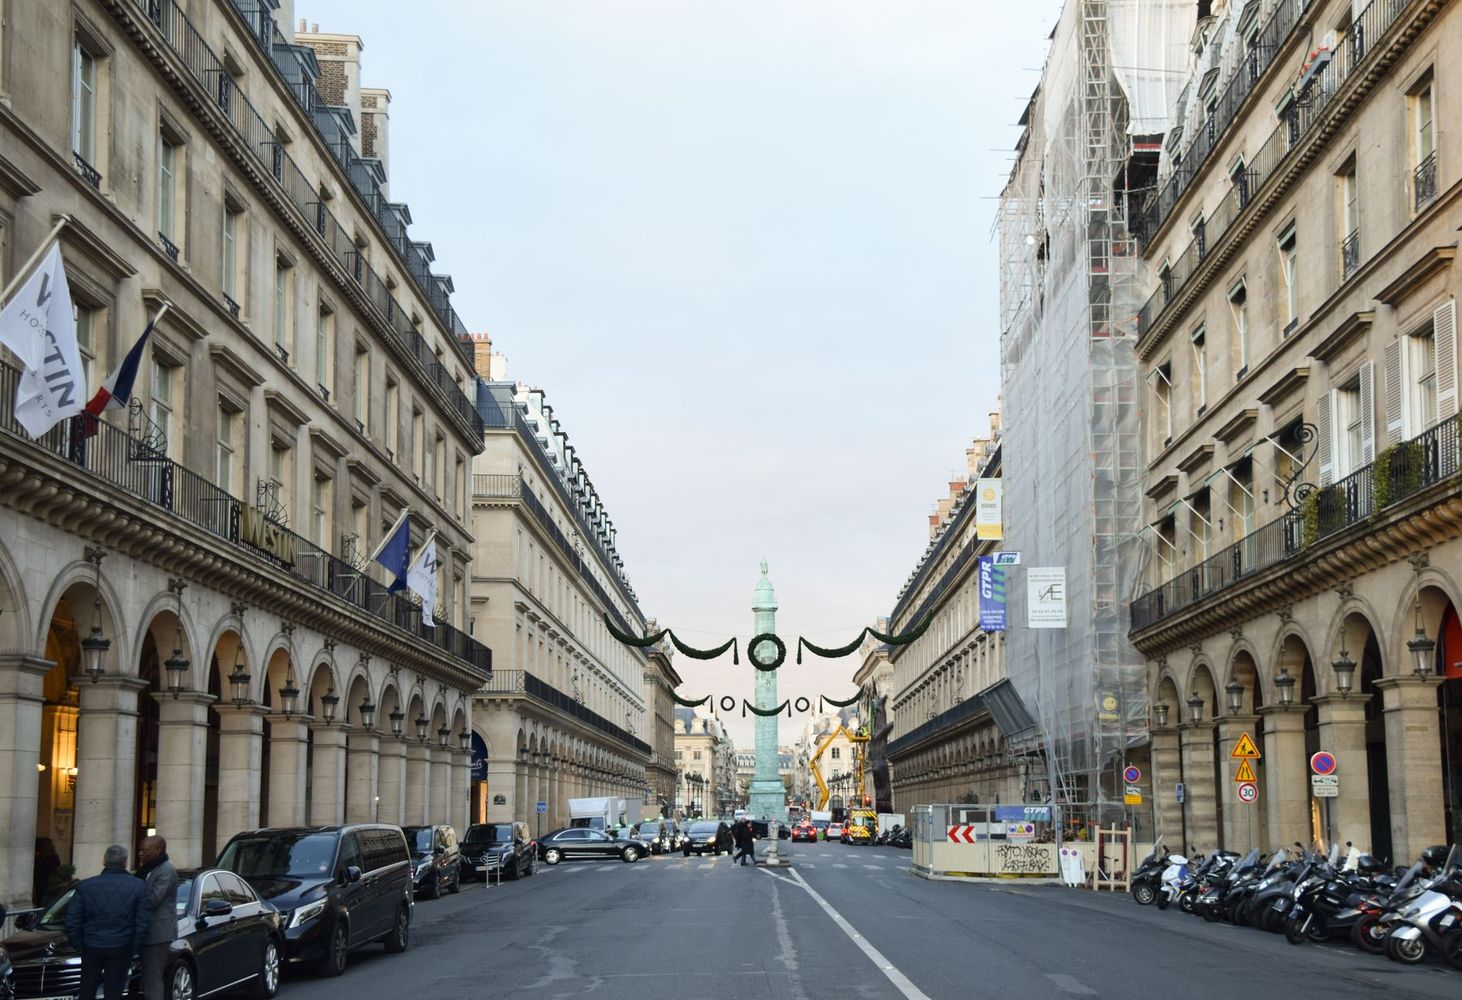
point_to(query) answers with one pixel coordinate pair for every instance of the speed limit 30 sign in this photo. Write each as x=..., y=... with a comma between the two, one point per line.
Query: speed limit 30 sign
x=1248, y=792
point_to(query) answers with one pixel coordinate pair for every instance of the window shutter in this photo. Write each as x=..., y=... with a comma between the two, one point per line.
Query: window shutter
x=1444, y=329
x=1394, y=393
x=1325, y=426
x=1367, y=413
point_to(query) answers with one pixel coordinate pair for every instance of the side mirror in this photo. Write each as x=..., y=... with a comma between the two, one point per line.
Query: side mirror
x=27, y=921
x=216, y=908
x=352, y=875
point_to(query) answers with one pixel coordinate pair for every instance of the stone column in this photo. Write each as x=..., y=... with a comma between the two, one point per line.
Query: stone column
x=1343, y=734
x=327, y=778
x=22, y=696
x=363, y=747
x=1286, y=767
x=182, y=756
x=1241, y=827
x=418, y=777
x=460, y=813
x=505, y=778
x=1167, y=772
x=240, y=764
x=288, y=760
x=391, y=784
x=106, y=767
x=1413, y=764
x=441, y=786
x=1199, y=804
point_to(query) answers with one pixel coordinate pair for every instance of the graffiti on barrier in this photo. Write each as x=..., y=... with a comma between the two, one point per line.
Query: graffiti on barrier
x=1025, y=859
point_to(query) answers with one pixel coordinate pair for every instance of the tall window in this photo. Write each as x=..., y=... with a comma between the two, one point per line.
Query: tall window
x=1200, y=517
x=83, y=103
x=228, y=471
x=1200, y=369
x=1348, y=215
x=361, y=386
x=86, y=332
x=281, y=476
x=324, y=351
x=283, y=313
x=1241, y=496
x=418, y=445
x=320, y=500
x=1423, y=141
x=168, y=161
x=161, y=410
x=1238, y=305
x=1289, y=273
x=1423, y=364
x=439, y=467
x=393, y=417
x=234, y=253
x=1162, y=387
x=1349, y=419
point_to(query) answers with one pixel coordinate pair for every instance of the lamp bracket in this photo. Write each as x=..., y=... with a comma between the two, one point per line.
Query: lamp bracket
x=94, y=554
x=1419, y=560
x=176, y=585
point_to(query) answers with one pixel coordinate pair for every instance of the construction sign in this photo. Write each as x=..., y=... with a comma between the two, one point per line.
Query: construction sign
x=1246, y=771
x=1245, y=748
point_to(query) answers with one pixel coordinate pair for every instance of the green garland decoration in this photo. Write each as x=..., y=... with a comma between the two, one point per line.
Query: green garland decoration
x=844, y=704
x=644, y=642
x=763, y=712
x=833, y=652
x=687, y=702
x=773, y=638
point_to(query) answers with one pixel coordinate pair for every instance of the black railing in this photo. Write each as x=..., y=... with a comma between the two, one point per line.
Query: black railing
x=1350, y=254
x=168, y=247
x=935, y=594
x=944, y=720
x=497, y=486
x=233, y=307
x=91, y=174
x=203, y=64
x=553, y=697
x=1424, y=180
x=1397, y=473
x=1298, y=118
x=119, y=460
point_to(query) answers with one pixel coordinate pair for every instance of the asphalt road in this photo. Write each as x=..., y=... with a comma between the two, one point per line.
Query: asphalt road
x=840, y=922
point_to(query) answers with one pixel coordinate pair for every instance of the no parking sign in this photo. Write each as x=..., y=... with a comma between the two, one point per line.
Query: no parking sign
x=1322, y=762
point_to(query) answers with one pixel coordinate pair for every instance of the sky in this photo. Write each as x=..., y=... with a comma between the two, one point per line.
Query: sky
x=747, y=251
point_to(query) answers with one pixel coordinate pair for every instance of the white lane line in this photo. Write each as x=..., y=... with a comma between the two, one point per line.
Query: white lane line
x=877, y=868
x=706, y=864
x=839, y=865
x=900, y=981
x=1070, y=984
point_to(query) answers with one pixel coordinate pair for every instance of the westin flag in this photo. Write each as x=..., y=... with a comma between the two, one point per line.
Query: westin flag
x=38, y=325
x=422, y=578
x=116, y=391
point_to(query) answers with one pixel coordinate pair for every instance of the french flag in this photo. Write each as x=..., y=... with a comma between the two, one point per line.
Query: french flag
x=116, y=391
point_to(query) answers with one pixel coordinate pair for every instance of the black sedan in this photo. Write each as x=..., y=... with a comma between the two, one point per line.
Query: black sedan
x=228, y=936
x=504, y=848
x=705, y=837
x=578, y=842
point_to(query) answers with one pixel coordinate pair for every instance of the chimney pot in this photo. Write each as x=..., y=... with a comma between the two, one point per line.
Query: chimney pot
x=304, y=25
x=315, y=27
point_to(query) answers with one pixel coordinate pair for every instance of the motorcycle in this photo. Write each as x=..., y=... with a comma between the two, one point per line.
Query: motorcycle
x=1147, y=879
x=1430, y=918
x=1329, y=903
x=1174, y=874
x=1211, y=898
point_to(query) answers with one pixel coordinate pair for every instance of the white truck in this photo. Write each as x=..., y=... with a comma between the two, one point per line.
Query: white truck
x=599, y=813
x=886, y=821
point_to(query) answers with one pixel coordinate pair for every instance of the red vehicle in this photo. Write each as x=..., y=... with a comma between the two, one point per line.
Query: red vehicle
x=834, y=831
x=804, y=831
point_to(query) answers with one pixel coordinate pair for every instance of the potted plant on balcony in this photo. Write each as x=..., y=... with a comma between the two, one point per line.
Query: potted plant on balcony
x=1395, y=474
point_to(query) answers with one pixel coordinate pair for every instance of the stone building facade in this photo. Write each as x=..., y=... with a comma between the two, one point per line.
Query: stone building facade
x=191, y=639
x=662, y=775
x=706, y=757
x=1303, y=503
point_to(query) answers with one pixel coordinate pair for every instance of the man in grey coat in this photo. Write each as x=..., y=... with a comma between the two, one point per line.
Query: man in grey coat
x=161, y=879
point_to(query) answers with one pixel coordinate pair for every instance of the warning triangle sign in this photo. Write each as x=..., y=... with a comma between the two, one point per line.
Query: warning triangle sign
x=1246, y=771
x=1246, y=748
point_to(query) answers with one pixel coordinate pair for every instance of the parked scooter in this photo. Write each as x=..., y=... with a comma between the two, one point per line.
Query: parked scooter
x=1433, y=915
x=1147, y=879
x=1175, y=872
x=1329, y=903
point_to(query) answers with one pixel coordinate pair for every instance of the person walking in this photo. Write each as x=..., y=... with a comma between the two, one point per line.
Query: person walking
x=750, y=840
x=107, y=921
x=743, y=846
x=725, y=839
x=161, y=879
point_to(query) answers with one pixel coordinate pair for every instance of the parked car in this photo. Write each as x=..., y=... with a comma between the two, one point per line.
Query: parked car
x=579, y=842
x=820, y=825
x=227, y=936
x=700, y=838
x=804, y=831
x=677, y=834
x=436, y=860
x=336, y=887
x=502, y=847
x=834, y=831
x=657, y=834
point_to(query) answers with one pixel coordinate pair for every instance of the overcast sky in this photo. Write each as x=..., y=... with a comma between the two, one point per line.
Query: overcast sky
x=746, y=250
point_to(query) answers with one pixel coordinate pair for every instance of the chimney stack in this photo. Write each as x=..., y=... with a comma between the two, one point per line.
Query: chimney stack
x=482, y=355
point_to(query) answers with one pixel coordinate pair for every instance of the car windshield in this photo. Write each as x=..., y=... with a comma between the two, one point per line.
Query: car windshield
x=279, y=854
x=703, y=830
x=420, y=838
x=649, y=829
x=493, y=833
x=55, y=915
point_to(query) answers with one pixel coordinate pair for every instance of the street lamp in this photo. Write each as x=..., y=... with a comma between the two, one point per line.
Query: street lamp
x=397, y=717
x=1195, y=710
x=1160, y=715
x=421, y=725
x=1285, y=683
x=444, y=736
x=94, y=647
x=1235, y=692
x=289, y=695
x=177, y=664
x=368, y=714
x=1344, y=668
x=464, y=739
x=328, y=703
x=238, y=681
x=1423, y=650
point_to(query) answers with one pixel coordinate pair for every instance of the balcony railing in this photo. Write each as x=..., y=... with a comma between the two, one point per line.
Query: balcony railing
x=1424, y=180
x=168, y=247
x=233, y=307
x=1309, y=105
x=1397, y=473
x=521, y=682
x=257, y=135
x=116, y=458
x=91, y=174
x=1350, y=254
x=966, y=709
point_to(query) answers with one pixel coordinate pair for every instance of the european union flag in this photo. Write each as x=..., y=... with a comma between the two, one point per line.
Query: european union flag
x=394, y=553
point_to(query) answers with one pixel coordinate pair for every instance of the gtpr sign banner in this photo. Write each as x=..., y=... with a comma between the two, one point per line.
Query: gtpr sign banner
x=992, y=595
x=988, y=518
x=1045, y=597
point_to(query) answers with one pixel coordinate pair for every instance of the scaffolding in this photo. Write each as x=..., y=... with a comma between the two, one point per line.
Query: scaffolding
x=1071, y=284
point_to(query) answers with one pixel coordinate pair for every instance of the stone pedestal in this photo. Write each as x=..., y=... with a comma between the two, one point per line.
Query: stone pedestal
x=182, y=755
x=441, y=786
x=418, y=775
x=1242, y=829
x=1343, y=734
x=327, y=777
x=363, y=753
x=1167, y=773
x=391, y=781
x=1413, y=764
x=288, y=753
x=240, y=763
x=1286, y=773
x=1200, y=807
x=106, y=768
x=22, y=696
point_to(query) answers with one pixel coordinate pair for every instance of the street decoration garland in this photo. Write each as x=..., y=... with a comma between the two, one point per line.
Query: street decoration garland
x=644, y=642
x=776, y=661
x=833, y=652
x=844, y=704
x=687, y=702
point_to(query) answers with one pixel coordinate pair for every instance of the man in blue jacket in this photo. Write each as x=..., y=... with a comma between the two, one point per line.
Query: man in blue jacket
x=107, y=921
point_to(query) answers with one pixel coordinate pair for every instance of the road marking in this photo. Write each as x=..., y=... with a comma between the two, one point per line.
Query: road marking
x=877, y=868
x=1070, y=984
x=706, y=864
x=839, y=865
x=900, y=981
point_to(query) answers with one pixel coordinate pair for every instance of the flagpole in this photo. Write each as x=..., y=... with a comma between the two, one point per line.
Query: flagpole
x=389, y=533
x=24, y=273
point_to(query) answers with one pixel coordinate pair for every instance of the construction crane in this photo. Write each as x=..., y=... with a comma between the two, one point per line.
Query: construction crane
x=859, y=743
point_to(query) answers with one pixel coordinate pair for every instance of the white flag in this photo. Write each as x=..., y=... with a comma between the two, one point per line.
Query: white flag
x=38, y=325
x=421, y=577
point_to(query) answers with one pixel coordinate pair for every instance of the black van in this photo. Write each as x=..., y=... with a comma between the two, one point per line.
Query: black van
x=336, y=887
x=436, y=861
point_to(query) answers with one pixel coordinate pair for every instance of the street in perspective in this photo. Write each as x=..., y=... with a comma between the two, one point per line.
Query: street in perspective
x=1034, y=430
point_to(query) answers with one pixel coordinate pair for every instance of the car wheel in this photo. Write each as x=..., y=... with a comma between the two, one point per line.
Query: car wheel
x=180, y=982
x=433, y=891
x=456, y=885
x=266, y=984
x=631, y=854
x=332, y=963
x=400, y=936
x=552, y=856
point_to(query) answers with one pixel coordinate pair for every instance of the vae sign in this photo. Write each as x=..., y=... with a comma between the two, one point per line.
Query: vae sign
x=1245, y=751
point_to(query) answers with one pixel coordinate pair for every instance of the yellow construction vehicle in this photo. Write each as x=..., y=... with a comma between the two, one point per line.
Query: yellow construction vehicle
x=859, y=743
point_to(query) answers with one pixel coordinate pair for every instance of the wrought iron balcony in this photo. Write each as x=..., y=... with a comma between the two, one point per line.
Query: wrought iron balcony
x=233, y=307
x=1424, y=180
x=1350, y=254
x=168, y=247
x=521, y=682
x=92, y=174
